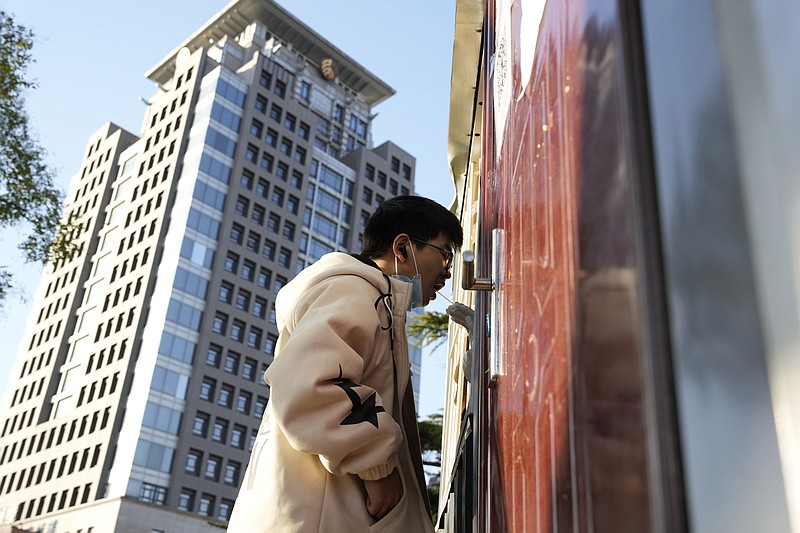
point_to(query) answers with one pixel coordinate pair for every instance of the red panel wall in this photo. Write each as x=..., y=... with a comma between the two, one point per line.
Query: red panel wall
x=567, y=442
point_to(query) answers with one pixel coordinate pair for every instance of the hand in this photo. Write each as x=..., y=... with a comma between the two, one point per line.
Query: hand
x=383, y=494
x=462, y=314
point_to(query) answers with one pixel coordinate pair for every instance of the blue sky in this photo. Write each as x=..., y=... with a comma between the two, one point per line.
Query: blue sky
x=91, y=57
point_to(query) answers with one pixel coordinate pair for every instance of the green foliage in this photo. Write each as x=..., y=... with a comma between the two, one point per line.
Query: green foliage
x=29, y=200
x=428, y=328
x=430, y=439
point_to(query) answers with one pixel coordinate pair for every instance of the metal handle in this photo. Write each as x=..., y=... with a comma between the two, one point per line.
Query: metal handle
x=496, y=359
x=470, y=283
x=468, y=280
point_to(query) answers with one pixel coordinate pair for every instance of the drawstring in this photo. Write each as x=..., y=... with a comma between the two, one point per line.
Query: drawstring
x=387, y=303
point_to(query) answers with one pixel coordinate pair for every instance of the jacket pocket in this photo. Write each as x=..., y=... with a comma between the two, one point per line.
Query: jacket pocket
x=393, y=520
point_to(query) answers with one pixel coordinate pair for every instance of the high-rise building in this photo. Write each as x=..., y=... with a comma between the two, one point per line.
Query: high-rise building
x=138, y=386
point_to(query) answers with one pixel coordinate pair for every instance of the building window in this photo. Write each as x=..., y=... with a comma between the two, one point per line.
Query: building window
x=273, y=222
x=258, y=214
x=213, y=355
x=243, y=300
x=256, y=127
x=338, y=113
x=232, y=470
x=200, y=426
x=288, y=231
x=206, y=506
x=297, y=180
x=232, y=363
x=152, y=494
x=262, y=189
x=292, y=204
x=225, y=292
x=370, y=172
x=193, y=460
x=264, y=277
x=267, y=162
x=362, y=129
x=251, y=154
x=225, y=396
x=382, y=180
x=280, y=88
x=220, y=430
x=212, y=467
x=243, y=400
x=286, y=147
x=285, y=257
x=237, y=330
x=186, y=500
x=271, y=137
x=282, y=172
x=237, y=234
x=237, y=436
x=254, y=337
x=305, y=90
x=249, y=368
x=353, y=123
x=207, y=389
x=224, y=513
x=246, y=181
x=289, y=122
x=393, y=187
x=220, y=323
x=303, y=130
x=261, y=104
x=268, y=250
x=231, y=263
x=280, y=281
x=277, y=196
x=248, y=268
x=265, y=80
x=269, y=344
x=253, y=241
x=261, y=405
x=275, y=113
x=406, y=172
x=300, y=155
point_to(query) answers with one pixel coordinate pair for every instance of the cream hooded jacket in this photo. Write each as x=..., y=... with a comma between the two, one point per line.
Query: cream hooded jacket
x=341, y=408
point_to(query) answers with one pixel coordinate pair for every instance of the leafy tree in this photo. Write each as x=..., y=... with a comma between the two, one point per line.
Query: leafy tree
x=428, y=328
x=29, y=200
x=430, y=438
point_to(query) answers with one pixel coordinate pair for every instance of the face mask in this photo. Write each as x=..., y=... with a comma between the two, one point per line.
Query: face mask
x=416, y=282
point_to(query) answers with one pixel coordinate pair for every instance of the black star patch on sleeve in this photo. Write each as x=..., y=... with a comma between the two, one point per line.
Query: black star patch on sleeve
x=365, y=411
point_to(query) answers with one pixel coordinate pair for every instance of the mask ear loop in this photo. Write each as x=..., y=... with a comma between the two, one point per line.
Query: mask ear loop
x=413, y=256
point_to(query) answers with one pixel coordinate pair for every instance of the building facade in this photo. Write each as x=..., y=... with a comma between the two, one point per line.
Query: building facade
x=138, y=385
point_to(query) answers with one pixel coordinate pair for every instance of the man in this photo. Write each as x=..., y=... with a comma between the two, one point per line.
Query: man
x=338, y=448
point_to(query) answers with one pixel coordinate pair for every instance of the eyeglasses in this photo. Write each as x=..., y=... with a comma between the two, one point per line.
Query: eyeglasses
x=447, y=255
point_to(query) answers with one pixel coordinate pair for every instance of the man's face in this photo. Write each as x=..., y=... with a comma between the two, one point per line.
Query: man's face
x=434, y=260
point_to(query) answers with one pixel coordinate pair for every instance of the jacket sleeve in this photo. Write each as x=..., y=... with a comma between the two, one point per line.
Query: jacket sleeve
x=317, y=395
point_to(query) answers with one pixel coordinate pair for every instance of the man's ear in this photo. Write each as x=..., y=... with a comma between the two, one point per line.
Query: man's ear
x=399, y=246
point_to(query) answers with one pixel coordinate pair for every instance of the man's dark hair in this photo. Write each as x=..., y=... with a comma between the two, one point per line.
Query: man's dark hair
x=421, y=218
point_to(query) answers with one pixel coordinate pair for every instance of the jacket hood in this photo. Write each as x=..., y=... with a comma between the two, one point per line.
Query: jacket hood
x=339, y=264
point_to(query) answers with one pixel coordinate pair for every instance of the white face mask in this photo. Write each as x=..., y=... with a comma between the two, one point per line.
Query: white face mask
x=416, y=281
